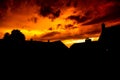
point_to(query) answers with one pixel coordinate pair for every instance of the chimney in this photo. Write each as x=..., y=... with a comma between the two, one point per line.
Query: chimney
x=88, y=40
x=48, y=41
x=103, y=27
x=102, y=35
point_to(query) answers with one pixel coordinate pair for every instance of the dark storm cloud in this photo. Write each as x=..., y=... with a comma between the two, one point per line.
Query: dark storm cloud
x=47, y=10
x=113, y=0
x=50, y=34
x=46, y=2
x=70, y=26
x=49, y=7
x=13, y=5
x=78, y=18
x=94, y=31
x=69, y=3
x=57, y=13
x=57, y=3
x=3, y=7
x=60, y=36
x=112, y=13
x=74, y=17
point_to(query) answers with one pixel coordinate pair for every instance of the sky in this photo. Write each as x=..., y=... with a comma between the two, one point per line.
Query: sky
x=71, y=21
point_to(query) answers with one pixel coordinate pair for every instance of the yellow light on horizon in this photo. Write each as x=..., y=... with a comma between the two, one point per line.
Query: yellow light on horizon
x=70, y=42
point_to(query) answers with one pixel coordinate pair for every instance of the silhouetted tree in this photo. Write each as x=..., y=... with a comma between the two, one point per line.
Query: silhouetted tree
x=18, y=36
x=6, y=36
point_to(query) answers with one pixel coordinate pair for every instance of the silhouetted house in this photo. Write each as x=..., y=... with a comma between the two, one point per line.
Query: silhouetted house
x=48, y=51
x=110, y=41
x=59, y=44
x=58, y=48
x=86, y=52
x=110, y=36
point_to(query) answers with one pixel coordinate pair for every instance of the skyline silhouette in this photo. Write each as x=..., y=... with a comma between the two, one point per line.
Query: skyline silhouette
x=33, y=56
x=103, y=51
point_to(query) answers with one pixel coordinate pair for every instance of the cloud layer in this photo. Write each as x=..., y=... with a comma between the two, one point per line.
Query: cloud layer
x=58, y=19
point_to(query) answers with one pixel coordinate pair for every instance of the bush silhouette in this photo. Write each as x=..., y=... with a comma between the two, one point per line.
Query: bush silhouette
x=18, y=36
x=6, y=36
x=15, y=36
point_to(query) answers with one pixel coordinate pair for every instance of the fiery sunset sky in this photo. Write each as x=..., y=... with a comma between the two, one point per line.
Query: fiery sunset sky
x=68, y=20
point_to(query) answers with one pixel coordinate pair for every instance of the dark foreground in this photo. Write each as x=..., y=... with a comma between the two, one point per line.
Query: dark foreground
x=46, y=57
